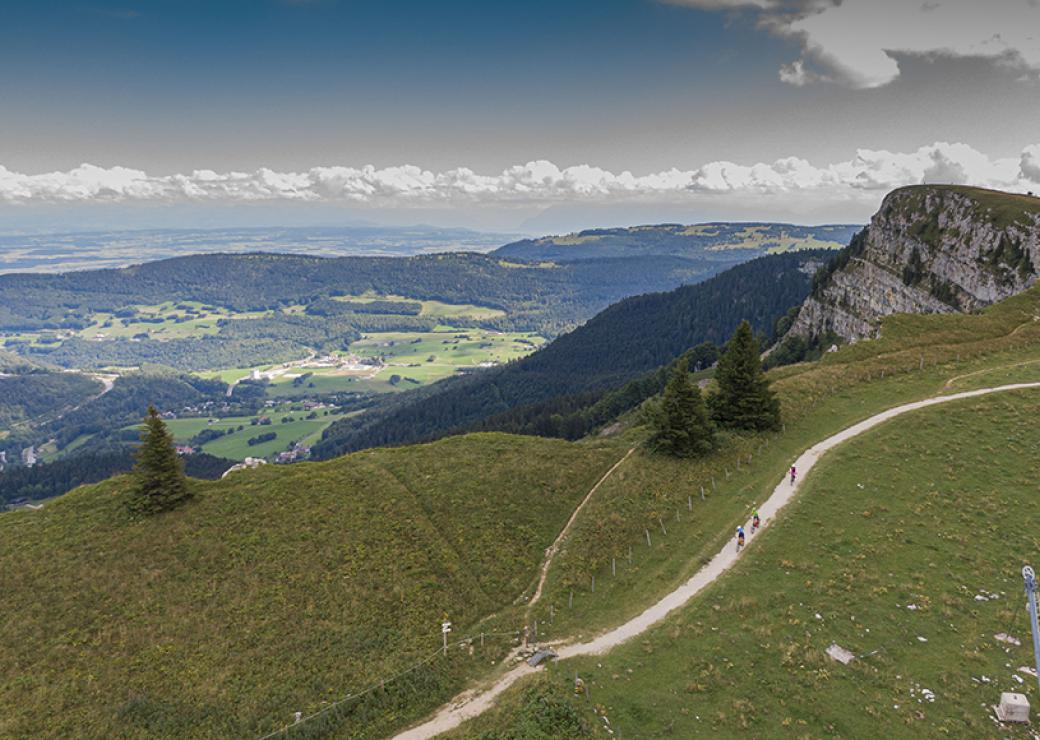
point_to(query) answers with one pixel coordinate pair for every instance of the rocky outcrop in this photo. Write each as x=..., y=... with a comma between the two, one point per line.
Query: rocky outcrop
x=929, y=249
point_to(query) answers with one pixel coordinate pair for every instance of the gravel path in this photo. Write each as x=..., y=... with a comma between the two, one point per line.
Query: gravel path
x=474, y=702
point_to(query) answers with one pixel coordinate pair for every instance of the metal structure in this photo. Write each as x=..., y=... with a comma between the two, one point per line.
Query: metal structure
x=1030, y=578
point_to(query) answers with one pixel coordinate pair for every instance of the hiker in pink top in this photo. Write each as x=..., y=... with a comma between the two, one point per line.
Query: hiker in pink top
x=793, y=474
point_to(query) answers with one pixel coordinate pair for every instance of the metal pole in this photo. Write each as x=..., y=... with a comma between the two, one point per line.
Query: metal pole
x=1030, y=578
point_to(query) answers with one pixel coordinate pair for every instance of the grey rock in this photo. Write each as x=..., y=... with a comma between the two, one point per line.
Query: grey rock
x=962, y=251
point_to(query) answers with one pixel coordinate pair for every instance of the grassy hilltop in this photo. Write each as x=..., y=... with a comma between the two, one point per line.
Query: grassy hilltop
x=276, y=590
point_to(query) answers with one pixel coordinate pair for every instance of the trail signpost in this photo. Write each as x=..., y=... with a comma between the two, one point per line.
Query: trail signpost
x=1030, y=578
x=445, y=629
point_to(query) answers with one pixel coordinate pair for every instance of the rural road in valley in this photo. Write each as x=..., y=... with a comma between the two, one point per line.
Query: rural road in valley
x=476, y=701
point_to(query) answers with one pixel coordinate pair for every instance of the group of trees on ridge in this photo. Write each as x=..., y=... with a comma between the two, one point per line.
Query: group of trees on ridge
x=684, y=426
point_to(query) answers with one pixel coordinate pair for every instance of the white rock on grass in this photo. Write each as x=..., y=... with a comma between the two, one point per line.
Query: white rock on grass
x=840, y=654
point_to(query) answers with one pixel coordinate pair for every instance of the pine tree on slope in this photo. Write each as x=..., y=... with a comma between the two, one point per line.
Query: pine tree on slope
x=159, y=479
x=681, y=424
x=743, y=400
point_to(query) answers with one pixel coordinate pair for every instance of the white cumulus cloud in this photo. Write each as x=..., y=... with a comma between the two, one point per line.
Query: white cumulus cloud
x=535, y=182
x=856, y=42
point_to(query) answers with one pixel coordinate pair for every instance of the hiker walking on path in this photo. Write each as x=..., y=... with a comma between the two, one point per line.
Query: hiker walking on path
x=793, y=474
x=740, y=538
x=755, y=521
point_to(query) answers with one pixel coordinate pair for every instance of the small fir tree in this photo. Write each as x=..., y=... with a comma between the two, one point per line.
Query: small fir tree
x=681, y=424
x=743, y=400
x=160, y=484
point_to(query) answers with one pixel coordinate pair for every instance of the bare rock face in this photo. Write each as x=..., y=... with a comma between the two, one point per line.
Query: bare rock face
x=929, y=249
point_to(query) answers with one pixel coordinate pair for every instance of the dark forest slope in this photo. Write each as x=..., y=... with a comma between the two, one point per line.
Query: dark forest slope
x=624, y=341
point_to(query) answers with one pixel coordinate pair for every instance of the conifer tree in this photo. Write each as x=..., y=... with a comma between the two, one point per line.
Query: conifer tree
x=159, y=482
x=743, y=400
x=681, y=424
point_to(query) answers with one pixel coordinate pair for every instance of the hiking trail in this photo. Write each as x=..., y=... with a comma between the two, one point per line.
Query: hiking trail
x=474, y=702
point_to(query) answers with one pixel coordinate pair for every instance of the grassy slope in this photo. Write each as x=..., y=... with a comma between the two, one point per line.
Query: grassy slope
x=1002, y=208
x=276, y=590
x=884, y=523
x=959, y=353
x=819, y=399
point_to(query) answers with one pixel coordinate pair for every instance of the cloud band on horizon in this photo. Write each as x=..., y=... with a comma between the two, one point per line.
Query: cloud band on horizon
x=536, y=182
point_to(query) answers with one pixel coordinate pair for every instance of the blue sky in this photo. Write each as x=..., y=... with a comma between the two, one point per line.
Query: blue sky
x=724, y=92
x=347, y=76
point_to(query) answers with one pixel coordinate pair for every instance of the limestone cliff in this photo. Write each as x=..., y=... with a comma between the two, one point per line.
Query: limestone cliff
x=929, y=249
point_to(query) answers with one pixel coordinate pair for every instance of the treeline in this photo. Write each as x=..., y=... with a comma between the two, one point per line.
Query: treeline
x=55, y=478
x=31, y=394
x=329, y=307
x=576, y=416
x=718, y=241
x=628, y=339
x=106, y=415
x=202, y=353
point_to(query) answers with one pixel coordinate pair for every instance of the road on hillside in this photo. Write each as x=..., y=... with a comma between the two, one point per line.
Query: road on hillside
x=475, y=702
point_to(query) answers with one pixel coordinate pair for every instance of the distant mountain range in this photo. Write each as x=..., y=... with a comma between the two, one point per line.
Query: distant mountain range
x=93, y=249
x=722, y=242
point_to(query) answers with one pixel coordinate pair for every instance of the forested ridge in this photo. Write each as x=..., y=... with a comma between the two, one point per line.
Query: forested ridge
x=55, y=478
x=543, y=297
x=633, y=337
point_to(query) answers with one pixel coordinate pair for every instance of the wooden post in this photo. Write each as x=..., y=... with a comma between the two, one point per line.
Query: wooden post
x=647, y=532
x=726, y=470
x=570, y=600
x=613, y=566
x=922, y=362
x=661, y=520
x=552, y=614
x=689, y=500
x=676, y=515
x=702, y=493
x=593, y=584
x=713, y=489
x=482, y=639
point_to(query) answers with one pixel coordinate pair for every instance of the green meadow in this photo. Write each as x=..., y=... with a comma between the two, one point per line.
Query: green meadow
x=277, y=590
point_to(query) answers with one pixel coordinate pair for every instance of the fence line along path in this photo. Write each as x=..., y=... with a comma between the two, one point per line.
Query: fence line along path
x=476, y=701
